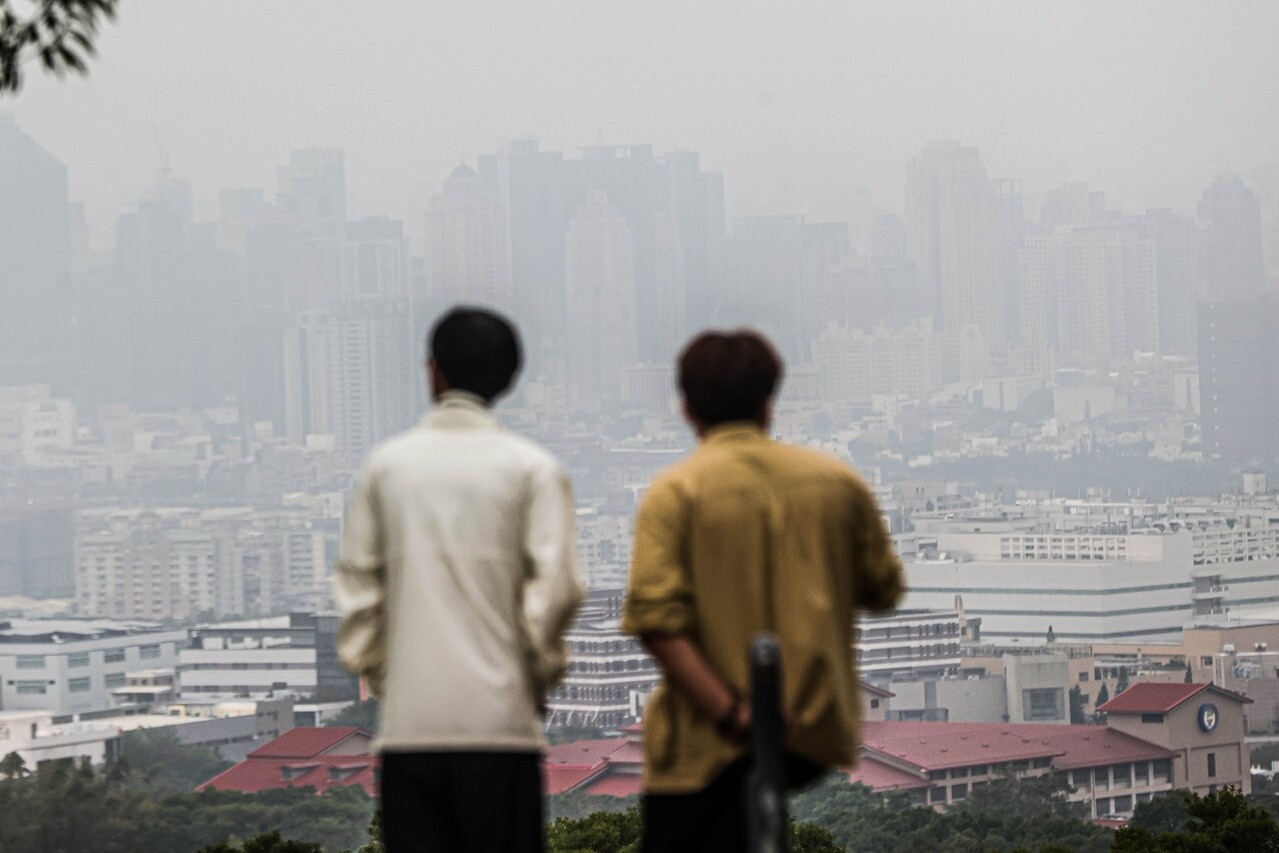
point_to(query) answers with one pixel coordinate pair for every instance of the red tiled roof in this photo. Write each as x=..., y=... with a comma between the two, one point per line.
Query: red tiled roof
x=263, y=774
x=559, y=778
x=616, y=785
x=304, y=742
x=939, y=746
x=881, y=777
x=1157, y=698
x=587, y=752
x=1151, y=698
x=876, y=691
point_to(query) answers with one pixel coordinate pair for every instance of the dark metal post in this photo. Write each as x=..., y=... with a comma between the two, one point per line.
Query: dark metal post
x=768, y=773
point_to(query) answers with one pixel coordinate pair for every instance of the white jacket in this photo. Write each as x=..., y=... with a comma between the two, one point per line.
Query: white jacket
x=456, y=580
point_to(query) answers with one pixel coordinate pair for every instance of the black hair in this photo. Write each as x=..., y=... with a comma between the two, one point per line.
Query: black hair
x=477, y=351
x=728, y=376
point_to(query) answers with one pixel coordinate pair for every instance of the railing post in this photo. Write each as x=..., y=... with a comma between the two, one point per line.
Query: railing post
x=768, y=771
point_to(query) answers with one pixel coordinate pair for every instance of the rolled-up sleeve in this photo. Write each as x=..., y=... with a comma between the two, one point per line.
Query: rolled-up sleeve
x=360, y=585
x=659, y=599
x=553, y=588
x=880, y=579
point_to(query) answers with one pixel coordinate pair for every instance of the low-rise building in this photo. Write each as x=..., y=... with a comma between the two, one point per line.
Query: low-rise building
x=37, y=739
x=1202, y=723
x=939, y=764
x=72, y=666
x=305, y=758
x=281, y=655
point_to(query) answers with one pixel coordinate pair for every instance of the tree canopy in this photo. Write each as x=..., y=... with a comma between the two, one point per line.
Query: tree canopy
x=1183, y=822
x=60, y=34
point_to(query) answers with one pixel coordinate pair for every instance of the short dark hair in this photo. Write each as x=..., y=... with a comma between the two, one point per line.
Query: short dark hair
x=476, y=350
x=728, y=376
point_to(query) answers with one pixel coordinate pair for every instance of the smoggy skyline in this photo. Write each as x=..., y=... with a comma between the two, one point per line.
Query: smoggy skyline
x=813, y=111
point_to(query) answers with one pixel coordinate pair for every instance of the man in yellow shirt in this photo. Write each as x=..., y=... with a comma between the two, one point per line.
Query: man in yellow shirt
x=746, y=535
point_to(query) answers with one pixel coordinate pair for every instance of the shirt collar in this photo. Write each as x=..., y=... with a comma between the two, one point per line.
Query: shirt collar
x=732, y=431
x=460, y=406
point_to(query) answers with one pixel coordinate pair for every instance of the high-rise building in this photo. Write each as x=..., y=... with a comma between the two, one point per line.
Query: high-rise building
x=953, y=215
x=35, y=261
x=1106, y=292
x=599, y=267
x=1177, y=281
x=1231, y=258
x=468, y=253
x=1238, y=387
x=348, y=370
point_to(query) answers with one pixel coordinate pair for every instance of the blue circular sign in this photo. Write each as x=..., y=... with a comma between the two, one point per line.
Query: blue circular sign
x=1208, y=717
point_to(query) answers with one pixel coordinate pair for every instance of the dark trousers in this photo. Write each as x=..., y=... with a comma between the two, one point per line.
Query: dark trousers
x=716, y=818
x=462, y=802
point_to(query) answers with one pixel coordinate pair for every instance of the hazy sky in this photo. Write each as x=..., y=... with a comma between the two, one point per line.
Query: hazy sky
x=800, y=104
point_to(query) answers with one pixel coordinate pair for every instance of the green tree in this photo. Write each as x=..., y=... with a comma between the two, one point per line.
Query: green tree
x=1121, y=684
x=375, y=843
x=157, y=757
x=12, y=766
x=1103, y=695
x=1052, y=635
x=362, y=714
x=1189, y=676
x=601, y=832
x=1165, y=813
x=60, y=33
x=1224, y=821
x=268, y=842
x=1077, y=705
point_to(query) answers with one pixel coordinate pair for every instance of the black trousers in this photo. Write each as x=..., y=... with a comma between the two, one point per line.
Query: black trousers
x=462, y=802
x=715, y=819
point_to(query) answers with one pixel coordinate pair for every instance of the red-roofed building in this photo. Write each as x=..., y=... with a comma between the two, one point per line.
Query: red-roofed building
x=1203, y=723
x=608, y=766
x=940, y=763
x=305, y=757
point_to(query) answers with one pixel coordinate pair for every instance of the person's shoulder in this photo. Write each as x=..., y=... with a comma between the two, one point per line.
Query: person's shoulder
x=813, y=460
x=391, y=451
x=527, y=452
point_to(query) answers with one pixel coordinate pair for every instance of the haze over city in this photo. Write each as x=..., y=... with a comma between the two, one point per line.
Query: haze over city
x=1020, y=261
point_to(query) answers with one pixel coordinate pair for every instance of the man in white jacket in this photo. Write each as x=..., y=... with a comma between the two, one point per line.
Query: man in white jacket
x=456, y=580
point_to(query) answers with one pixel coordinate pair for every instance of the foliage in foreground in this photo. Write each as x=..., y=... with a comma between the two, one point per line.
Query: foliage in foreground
x=60, y=33
x=1006, y=815
x=63, y=807
x=619, y=832
x=1183, y=822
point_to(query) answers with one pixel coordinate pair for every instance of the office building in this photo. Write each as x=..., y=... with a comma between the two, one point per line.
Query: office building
x=468, y=251
x=1231, y=252
x=1240, y=402
x=66, y=666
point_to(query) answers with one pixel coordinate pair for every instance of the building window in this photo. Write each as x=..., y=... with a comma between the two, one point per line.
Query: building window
x=1103, y=807
x=1123, y=805
x=1212, y=764
x=959, y=773
x=1122, y=776
x=1042, y=762
x=149, y=652
x=958, y=792
x=980, y=770
x=78, y=685
x=1205, y=661
x=874, y=703
x=32, y=688
x=30, y=661
x=937, y=795
x=1152, y=718
x=1101, y=779
x=113, y=655
x=935, y=775
x=114, y=679
x=1162, y=770
x=78, y=659
x=1043, y=703
x=1083, y=676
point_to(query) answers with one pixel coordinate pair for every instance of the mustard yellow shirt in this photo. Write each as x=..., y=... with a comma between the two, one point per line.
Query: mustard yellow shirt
x=749, y=535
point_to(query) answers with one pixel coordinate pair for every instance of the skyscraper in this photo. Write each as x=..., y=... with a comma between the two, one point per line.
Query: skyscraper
x=953, y=217
x=1238, y=387
x=35, y=260
x=599, y=267
x=1231, y=256
x=468, y=251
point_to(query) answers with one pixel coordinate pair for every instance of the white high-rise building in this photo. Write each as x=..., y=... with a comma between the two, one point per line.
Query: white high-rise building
x=599, y=267
x=953, y=216
x=857, y=365
x=468, y=253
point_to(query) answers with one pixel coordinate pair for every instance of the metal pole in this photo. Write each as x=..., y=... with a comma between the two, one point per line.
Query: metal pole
x=768, y=773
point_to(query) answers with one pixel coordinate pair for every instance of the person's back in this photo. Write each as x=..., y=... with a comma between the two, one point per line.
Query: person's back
x=747, y=535
x=457, y=578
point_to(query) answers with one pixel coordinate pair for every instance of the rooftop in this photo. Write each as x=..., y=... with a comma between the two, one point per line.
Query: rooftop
x=1155, y=698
